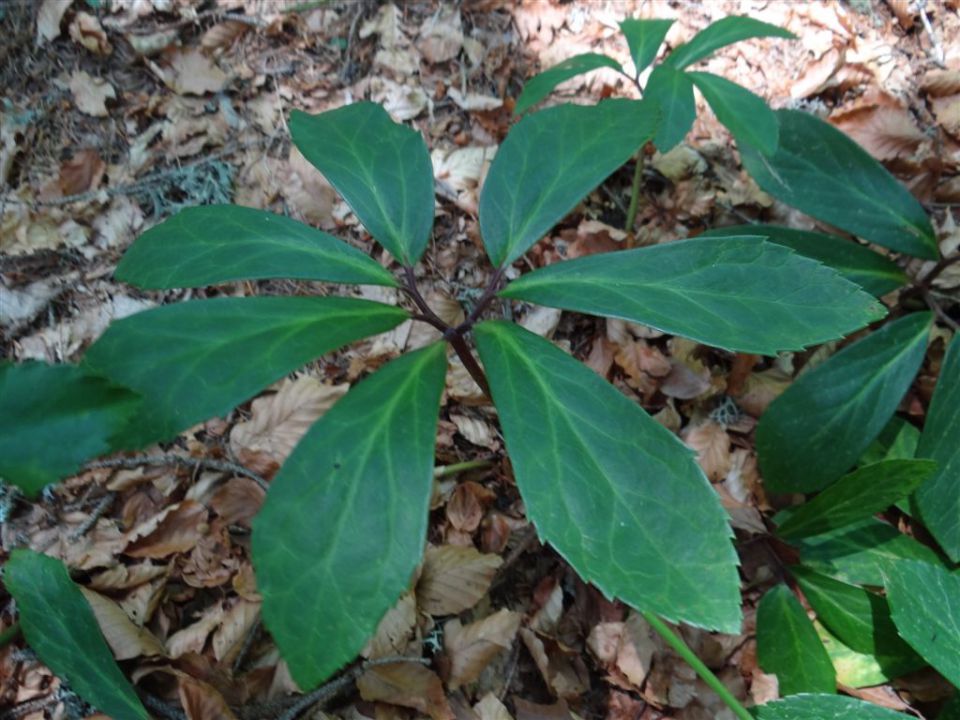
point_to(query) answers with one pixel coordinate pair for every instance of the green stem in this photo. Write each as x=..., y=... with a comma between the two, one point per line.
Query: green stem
x=634, y=196
x=9, y=635
x=677, y=643
x=447, y=470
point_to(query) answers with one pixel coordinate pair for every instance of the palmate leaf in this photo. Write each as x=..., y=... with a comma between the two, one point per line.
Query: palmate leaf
x=60, y=626
x=735, y=293
x=815, y=431
x=720, y=34
x=644, y=38
x=53, y=418
x=939, y=498
x=549, y=161
x=194, y=360
x=820, y=707
x=344, y=523
x=857, y=496
x=607, y=486
x=788, y=645
x=671, y=92
x=860, y=554
x=381, y=168
x=746, y=116
x=873, y=272
x=540, y=86
x=925, y=606
x=858, y=617
x=220, y=243
x=821, y=171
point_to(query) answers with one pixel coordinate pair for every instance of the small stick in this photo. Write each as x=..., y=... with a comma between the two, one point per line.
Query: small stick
x=447, y=470
x=193, y=463
x=103, y=504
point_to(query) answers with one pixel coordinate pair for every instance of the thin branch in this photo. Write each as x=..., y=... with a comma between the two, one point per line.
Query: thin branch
x=99, y=509
x=179, y=460
x=926, y=282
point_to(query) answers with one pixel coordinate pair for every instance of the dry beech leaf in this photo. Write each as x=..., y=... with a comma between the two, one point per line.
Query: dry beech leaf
x=176, y=529
x=87, y=31
x=237, y=623
x=454, y=579
x=685, y=383
x=91, y=94
x=201, y=701
x=475, y=430
x=563, y=672
x=237, y=501
x=278, y=421
x=190, y=72
x=940, y=83
x=126, y=639
x=886, y=131
x=49, y=16
x=712, y=445
x=82, y=172
x=473, y=101
x=223, y=34
x=465, y=508
x=395, y=629
x=490, y=708
x=638, y=359
x=408, y=684
x=947, y=111
x=542, y=320
x=124, y=577
x=533, y=711
x=192, y=638
x=761, y=389
x=470, y=648
x=441, y=35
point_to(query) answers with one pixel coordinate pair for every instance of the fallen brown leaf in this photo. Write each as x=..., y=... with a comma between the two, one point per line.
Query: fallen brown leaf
x=712, y=445
x=395, y=629
x=237, y=624
x=178, y=528
x=190, y=72
x=408, y=684
x=91, y=94
x=470, y=648
x=126, y=639
x=454, y=579
x=192, y=638
x=201, y=701
x=87, y=31
x=49, y=17
x=82, y=172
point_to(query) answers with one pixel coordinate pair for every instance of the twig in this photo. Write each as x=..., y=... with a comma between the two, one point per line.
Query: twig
x=447, y=470
x=216, y=14
x=938, y=56
x=24, y=708
x=189, y=462
x=926, y=282
x=161, y=708
x=99, y=509
x=940, y=312
x=245, y=648
x=327, y=691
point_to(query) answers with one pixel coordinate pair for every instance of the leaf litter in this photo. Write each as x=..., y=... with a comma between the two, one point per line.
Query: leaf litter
x=93, y=156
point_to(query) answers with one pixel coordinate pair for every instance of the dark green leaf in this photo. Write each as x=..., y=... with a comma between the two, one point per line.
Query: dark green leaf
x=925, y=605
x=720, y=34
x=860, y=554
x=671, y=92
x=343, y=526
x=820, y=707
x=788, y=645
x=860, y=265
x=747, y=116
x=815, y=431
x=194, y=360
x=857, y=496
x=53, y=418
x=939, y=499
x=611, y=489
x=381, y=168
x=821, y=171
x=897, y=441
x=549, y=161
x=220, y=243
x=857, y=670
x=858, y=617
x=736, y=293
x=60, y=626
x=644, y=38
x=951, y=711
x=539, y=86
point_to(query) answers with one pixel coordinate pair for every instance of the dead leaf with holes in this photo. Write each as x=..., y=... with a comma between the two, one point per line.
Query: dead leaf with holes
x=454, y=579
x=126, y=639
x=470, y=648
x=91, y=94
x=408, y=684
x=278, y=421
x=87, y=31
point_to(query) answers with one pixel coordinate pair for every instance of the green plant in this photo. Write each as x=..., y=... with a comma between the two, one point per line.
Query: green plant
x=617, y=495
x=669, y=86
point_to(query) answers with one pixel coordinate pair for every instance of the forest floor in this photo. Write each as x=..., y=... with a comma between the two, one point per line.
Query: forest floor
x=118, y=113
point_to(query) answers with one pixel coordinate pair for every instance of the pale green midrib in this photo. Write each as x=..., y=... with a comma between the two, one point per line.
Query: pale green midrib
x=551, y=402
